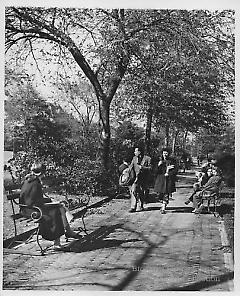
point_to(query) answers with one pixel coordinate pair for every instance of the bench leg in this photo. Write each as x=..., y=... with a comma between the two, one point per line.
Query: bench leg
x=80, y=228
x=84, y=225
x=30, y=237
x=208, y=205
x=42, y=251
x=216, y=203
x=14, y=221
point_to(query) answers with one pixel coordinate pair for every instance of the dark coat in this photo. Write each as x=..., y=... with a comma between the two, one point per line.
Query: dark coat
x=51, y=224
x=165, y=184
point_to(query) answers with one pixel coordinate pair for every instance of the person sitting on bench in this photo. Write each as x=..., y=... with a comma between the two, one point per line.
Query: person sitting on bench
x=203, y=176
x=211, y=186
x=54, y=222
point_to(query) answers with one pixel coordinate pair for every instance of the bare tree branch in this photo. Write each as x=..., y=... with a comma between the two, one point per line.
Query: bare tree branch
x=32, y=52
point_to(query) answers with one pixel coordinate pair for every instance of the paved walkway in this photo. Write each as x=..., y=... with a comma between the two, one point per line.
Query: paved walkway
x=131, y=251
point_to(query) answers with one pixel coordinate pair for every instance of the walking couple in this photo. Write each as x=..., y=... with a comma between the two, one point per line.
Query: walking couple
x=165, y=178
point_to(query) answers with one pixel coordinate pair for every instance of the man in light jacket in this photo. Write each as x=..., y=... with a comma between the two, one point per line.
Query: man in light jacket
x=139, y=189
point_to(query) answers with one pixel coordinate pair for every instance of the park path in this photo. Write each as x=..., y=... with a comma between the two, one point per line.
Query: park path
x=130, y=251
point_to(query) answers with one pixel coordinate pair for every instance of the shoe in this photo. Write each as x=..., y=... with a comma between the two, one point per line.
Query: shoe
x=187, y=202
x=163, y=212
x=199, y=210
x=69, y=217
x=132, y=210
x=194, y=211
x=72, y=234
x=57, y=247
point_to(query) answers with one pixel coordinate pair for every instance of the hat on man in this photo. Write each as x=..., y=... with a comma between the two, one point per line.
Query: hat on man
x=38, y=168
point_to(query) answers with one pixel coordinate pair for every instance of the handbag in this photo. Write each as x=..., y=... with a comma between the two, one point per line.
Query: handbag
x=127, y=177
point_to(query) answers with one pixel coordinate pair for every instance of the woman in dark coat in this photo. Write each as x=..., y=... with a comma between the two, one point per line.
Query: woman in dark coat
x=165, y=178
x=54, y=222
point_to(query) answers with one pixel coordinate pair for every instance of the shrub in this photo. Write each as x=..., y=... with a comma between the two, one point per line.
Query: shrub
x=84, y=176
x=226, y=162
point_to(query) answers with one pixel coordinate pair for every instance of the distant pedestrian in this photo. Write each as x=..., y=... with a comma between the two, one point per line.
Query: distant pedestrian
x=183, y=162
x=165, y=178
x=10, y=171
x=201, y=158
x=198, y=160
x=9, y=176
x=188, y=163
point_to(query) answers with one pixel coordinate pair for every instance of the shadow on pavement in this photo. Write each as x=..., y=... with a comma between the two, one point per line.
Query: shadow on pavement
x=200, y=285
x=170, y=209
x=134, y=272
x=97, y=240
x=180, y=209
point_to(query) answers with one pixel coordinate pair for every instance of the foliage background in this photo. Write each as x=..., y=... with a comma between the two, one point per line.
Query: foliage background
x=117, y=78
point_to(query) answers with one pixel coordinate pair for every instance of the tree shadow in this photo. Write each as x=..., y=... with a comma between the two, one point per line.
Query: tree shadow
x=122, y=195
x=152, y=208
x=180, y=209
x=98, y=240
x=170, y=209
x=200, y=285
x=209, y=281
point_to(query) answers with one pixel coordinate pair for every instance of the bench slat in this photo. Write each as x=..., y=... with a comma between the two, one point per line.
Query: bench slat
x=13, y=196
x=11, y=187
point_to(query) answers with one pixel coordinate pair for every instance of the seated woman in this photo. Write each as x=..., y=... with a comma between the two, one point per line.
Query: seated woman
x=212, y=185
x=54, y=221
x=203, y=177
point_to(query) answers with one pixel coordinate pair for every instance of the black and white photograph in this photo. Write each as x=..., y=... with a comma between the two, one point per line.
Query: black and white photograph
x=118, y=144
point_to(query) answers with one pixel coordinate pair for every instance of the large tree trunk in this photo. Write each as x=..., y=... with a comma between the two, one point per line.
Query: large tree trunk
x=185, y=140
x=54, y=33
x=148, y=127
x=176, y=132
x=105, y=134
x=167, y=136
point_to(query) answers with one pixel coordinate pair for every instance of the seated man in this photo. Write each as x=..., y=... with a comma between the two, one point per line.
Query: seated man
x=203, y=176
x=212, y=185
x=54, y=221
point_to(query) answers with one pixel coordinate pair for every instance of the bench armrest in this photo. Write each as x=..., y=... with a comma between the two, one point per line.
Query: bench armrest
x=36, y=215
x=84, y=200
x=78, y=202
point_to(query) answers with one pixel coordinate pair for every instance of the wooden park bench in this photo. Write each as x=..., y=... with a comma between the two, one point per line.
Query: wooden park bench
x=215, y=198
x=13, y=195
